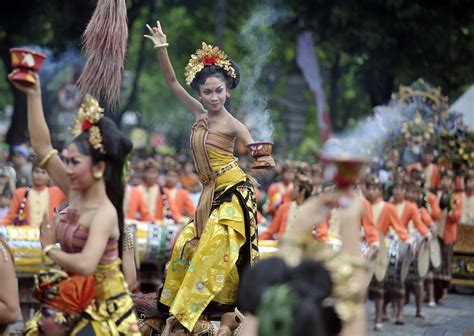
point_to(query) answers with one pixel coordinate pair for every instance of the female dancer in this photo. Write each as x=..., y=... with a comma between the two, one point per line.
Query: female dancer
x=9, y=299
x=288, y=294
x=90, y=230
x=211, y=252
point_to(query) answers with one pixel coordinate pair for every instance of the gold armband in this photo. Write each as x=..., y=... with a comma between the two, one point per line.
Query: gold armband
x=47, y=157
x=128, y=241
x=163, y=45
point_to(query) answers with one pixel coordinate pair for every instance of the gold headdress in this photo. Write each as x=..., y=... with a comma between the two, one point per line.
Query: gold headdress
x=208, y=55
x=418, y=128
x=423, y=93
x=88, y=116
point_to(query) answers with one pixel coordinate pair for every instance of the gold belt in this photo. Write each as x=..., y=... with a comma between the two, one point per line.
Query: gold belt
x=206, y=179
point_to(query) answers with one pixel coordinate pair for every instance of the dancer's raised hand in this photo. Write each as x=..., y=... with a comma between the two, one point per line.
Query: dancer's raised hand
x=157, y=35
x=29, y=89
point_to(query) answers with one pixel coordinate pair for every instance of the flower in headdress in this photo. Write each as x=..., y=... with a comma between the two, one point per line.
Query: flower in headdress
x=207, y=56
x=88, y=116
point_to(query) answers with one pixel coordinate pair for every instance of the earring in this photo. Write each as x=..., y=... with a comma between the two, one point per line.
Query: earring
x=98, y=175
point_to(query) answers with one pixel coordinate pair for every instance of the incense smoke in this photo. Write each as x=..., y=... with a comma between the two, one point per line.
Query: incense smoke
x=256, y=39
x=369, y=137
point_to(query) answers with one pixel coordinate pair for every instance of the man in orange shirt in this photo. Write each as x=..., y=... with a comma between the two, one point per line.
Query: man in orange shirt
x=280, y=192
x=429, y=169
x=429, y=199
x=451, y=207
x=158, y=201
x=410, y=218
x=385, y=217
x=416, y=195
x=29, y=204
x=134, y=205
x=467, y=213
x=287, y=211
x=331, y=226
x=180, y=197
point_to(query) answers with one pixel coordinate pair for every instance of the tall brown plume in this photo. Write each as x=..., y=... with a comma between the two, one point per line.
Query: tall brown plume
x=105, y=43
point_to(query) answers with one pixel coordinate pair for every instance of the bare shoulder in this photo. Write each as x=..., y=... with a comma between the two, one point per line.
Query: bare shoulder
x=236, y=125
x=106, y=217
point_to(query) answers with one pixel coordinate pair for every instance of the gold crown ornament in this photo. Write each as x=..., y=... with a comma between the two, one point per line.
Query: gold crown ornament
x=88, y=116
x=206, y=56
x=421, y=92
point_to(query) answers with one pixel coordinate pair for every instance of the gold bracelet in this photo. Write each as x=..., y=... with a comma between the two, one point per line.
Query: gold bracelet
x=156, y=46
x=47, y=157
x=48, y=248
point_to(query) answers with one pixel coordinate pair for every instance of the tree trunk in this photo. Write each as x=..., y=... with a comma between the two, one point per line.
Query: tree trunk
x=17, y=133
x=220, y=18
x=379, y=85
x=335, y=74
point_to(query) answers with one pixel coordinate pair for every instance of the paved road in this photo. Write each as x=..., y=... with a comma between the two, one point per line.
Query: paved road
x=454, y=318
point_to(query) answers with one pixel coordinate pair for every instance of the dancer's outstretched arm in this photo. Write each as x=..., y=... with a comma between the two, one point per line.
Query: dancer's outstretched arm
x=159, y=40
x=39, y=134
x=241, y=132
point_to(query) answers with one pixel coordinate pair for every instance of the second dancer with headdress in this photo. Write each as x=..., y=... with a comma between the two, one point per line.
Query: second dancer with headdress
x=221, y=240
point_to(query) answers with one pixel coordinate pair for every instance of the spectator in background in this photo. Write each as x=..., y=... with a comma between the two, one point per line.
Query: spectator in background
x=412, y=152
x=158, y=201
x=20, y=156
x=179, y=196
x=7, y=178
x=5, y=201
x=430, y=170
x=280, y=192
x=29, y=204
x=189, y=178
x=6, y=169
x=286, y=213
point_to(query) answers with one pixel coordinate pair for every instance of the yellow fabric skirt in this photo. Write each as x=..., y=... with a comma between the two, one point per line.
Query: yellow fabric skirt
x=207, y=272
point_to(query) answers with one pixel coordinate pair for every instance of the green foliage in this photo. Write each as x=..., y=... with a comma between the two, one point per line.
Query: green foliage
x=365, y=49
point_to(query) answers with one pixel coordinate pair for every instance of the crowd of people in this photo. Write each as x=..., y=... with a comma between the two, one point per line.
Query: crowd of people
x=85, y=199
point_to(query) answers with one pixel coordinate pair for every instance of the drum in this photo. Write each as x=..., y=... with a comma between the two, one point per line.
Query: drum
x=26, y=247
x=420, y=260
x=421, y=257
x=267, y=248
x=399, y=259
x=153, y=242
x=435, y=253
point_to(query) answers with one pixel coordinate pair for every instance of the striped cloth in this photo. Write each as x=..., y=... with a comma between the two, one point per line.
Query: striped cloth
x=73, y=236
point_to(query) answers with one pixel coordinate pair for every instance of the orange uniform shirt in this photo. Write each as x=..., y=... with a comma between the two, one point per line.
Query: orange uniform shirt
x=435, y=211
x=389, y=218
x=278, y=194
x=366, y=223
x=432, y=170
x=136, y=207
x=182, y=201
x=278, y=225
x=452, y=221
x=56, y=197
x=410, y=213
